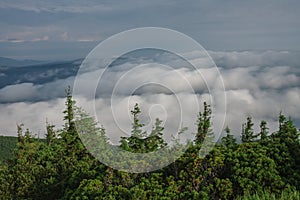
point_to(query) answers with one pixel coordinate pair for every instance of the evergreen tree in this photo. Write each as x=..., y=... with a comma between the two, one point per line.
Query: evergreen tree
x=247, y=130
x=59, y=166
x=263, y=132
x=203, y=124
x=285, y=150
x=50, y=135
x=138, y=142
x=155, y=140
x=229, y=141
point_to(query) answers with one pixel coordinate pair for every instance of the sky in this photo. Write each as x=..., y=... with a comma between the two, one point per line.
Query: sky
x=255, y=45
x=51, y=30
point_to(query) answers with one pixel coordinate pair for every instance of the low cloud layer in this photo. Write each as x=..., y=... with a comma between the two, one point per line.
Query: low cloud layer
x=260, y=84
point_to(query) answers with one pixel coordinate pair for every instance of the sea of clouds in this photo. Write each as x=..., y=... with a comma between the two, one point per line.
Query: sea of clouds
x=257, y=83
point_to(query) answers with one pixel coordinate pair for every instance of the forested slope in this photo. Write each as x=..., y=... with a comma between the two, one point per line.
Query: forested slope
x=263, y=164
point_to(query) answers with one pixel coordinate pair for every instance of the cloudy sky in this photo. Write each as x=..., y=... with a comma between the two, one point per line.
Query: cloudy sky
x=255, y=45
x=68, y=29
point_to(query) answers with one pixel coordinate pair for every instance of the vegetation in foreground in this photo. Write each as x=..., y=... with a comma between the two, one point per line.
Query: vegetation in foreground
x=285, y=195
x=263, y=166
x=7, y=145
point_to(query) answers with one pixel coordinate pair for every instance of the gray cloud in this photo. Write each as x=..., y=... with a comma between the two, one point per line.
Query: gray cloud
x=233, y=59
x=261, y=89
x=217, y=25
x=32, y=115
x=18, y=93
x=72, y=6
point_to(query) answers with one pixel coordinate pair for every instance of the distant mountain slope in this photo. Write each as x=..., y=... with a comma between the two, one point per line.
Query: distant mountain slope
x=17, y=63
x=39, y=73
x=7, y=145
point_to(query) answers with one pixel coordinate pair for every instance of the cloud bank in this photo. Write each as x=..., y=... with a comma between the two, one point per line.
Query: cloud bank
x=260, y=84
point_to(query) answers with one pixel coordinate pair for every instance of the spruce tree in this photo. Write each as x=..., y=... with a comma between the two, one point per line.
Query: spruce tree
x=247, y=130
x=203, y=124
x=228, y=141
x=138, y=142
x=263, y=131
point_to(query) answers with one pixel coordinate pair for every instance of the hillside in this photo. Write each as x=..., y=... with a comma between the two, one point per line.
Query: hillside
x=262, y=166
x=18, y=63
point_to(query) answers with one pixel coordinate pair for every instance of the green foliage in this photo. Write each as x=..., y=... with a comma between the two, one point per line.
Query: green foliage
x=284, y=149
x=263, y=166
x=7, y=145
x=229, y=141
x=88, y=189
x=203, y=124
x=263, y=132
x=247, y=130
x=138, y=142
x=285, y=195
x=253, y=170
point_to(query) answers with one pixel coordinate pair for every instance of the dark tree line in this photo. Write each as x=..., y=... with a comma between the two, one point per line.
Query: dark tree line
x=60, y=167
